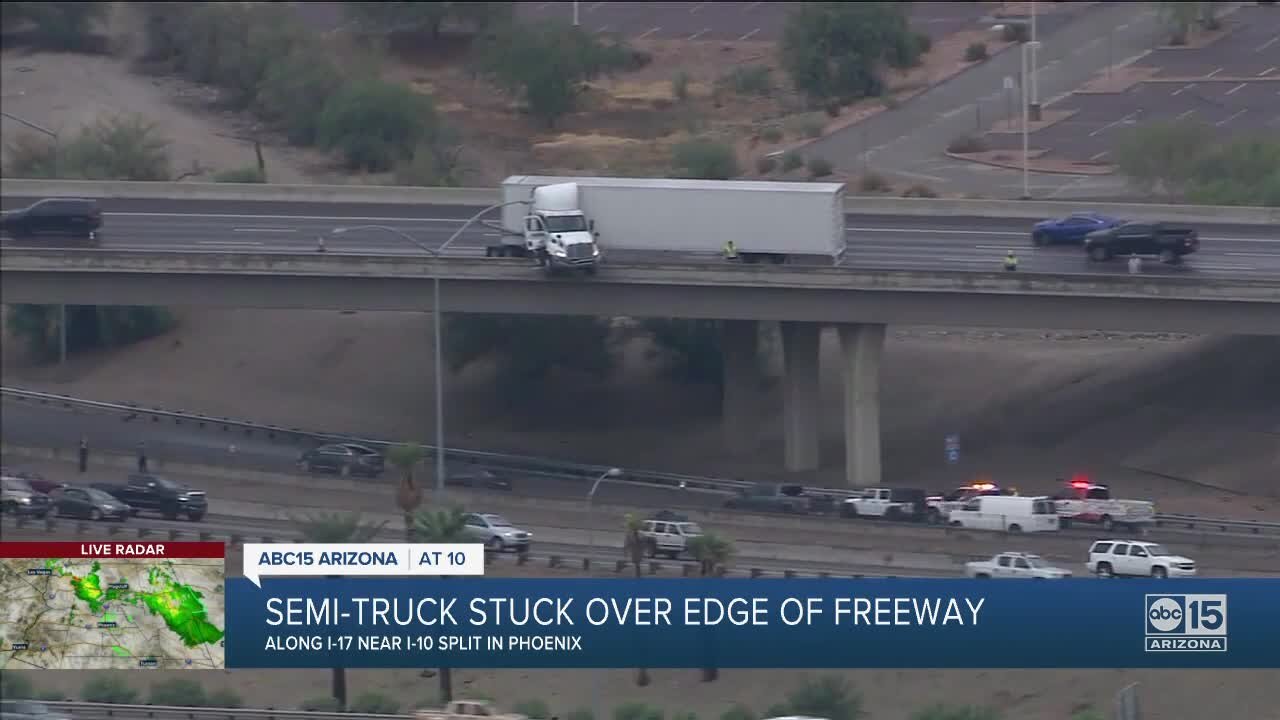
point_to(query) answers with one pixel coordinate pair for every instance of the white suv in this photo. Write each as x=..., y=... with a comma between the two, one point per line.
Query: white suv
x=662, y=537
x=1135, y=558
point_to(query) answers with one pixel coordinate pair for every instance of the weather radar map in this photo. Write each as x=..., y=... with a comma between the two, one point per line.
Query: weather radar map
x=112, y=606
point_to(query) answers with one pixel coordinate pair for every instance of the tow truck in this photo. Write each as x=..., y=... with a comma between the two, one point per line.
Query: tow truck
x=1083, y=501
x=940, y=506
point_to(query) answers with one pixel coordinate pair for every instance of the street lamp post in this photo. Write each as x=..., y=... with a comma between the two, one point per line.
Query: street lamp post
x=438, y=343
x=62, y=309
x=1035, y=61
x=1026, y=140
x=575, y=13
x=591, y=496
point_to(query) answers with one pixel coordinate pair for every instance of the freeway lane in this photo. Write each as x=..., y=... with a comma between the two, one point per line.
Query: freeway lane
x=910, y=243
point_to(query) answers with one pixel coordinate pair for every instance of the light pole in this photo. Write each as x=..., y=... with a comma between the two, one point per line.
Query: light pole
x=1026, y=140
x=62, y=309
x=591, y=496
x=1035, y=61
x=575, y=13
x=435, y=252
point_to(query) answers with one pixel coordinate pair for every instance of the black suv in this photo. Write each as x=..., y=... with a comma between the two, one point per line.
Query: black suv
x=343, y=459
x=1134, y=238
x=75, y=217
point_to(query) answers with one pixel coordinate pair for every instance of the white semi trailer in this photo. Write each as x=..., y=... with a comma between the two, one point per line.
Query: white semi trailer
x=572, y=221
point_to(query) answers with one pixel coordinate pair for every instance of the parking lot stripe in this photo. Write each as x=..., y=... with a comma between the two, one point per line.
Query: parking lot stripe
x=1215, y=72
x=1110, y=125
x=1238, y=87
x=1267, y=44
x=1183, y=89
x=648, y=32
x=748, y=35
x=1268, y=71
x=1183, y=115
x=1233, y=117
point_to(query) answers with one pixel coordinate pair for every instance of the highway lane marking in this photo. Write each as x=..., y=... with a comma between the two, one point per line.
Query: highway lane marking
x=265, y=230
x=1260, y=255
x=1237, y=88
x=1110, y=125
x=235, y=243
x=1016, y=233
x=1268, y=71
x=1267, y=44
x=650, y=31
x=699, y=34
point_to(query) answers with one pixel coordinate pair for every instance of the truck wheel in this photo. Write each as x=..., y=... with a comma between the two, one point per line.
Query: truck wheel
x=1108, y=524
x=652, y=549
x=1159, y=573
x=935, y=517
x=982, y=576
x=1099, y=254
x=1104, y=570
x=590, y=270
x=1015, y=528
x=345, y=471
x=495, y=545
x=95, y=514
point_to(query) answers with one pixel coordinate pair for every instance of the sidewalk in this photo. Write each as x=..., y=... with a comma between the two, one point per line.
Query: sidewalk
x=910, y=141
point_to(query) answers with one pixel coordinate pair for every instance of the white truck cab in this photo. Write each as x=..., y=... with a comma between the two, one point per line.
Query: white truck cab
x=557, y=230
x=889, y=503
x=1082, y=501
x=1015, y=565
x=670, y=538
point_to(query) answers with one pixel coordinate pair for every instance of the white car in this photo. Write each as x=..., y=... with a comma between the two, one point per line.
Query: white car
x=496, y=533
x=1015, y=565
x=663, y=537
x=1137, y=558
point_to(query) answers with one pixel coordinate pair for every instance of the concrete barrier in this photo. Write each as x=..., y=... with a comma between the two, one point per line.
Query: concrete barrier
x=481, y=197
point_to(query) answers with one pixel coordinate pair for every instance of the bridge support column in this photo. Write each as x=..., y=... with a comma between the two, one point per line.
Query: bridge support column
x=739, y=401
x=801, y=409
x=862, y=345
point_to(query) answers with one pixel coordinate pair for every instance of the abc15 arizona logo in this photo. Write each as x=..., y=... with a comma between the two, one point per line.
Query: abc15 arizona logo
x=1186, y=623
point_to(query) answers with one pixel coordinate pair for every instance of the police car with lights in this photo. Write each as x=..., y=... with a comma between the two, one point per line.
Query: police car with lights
x=1082, y=501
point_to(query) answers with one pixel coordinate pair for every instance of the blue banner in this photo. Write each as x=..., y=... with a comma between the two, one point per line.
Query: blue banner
x=741, y=623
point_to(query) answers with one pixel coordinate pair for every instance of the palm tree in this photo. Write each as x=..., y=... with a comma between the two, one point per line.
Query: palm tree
x=441, y=526
x=633, y=546
x=408, y=496
x=337, y=528
x=712, y=553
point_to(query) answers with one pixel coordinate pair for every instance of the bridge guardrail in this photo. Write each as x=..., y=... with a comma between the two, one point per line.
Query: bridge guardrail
x=167, y=712
x=546, y=466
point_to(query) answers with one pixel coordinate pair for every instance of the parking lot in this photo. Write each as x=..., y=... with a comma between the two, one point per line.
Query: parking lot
x=747, y=20
x=1232, y=84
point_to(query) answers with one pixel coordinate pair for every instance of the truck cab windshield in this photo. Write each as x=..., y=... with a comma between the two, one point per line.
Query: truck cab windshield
x=566, y=223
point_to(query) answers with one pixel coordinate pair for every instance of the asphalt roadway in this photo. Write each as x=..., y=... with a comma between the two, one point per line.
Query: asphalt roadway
x=882, y=242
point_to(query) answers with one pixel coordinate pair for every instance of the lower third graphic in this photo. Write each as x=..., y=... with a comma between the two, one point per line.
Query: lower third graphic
x=1186, y=623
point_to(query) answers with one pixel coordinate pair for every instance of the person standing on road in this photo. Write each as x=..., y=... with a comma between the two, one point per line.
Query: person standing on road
x=1010, y=262
x=1135, y=264
x=730, y=250
x=142, y=457
x=84, y=454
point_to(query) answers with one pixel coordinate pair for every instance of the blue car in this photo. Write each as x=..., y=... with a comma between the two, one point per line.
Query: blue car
x=1070, y=229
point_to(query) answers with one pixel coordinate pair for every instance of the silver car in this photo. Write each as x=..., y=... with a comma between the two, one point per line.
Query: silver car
x=496, y=533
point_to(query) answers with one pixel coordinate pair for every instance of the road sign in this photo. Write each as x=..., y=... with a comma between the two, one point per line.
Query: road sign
x=952, y=444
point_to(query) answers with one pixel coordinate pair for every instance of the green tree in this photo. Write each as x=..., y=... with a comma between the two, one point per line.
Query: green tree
x=1160, y=158
x=704, y=159
x=108, y=689
x=178, y=692
x=373, y=123
x=546, y=64
x=406, y=458
x=56, y=25
x=88, y=326
x=337, y=528
x=956, y=712
x=633, y=546
x=294, y=92
x=442, y=526
x=123, y=147
x=692, y=351
x=829, y=697
x=712, y=553
x=16, y=686
x=428, y=17
x=528, y=348
x=834, y=50
x=1241, y=171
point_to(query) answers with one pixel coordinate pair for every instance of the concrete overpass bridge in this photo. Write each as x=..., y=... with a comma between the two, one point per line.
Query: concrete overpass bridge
x=858, y=303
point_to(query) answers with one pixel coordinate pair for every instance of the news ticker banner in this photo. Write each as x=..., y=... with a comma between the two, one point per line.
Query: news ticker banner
x=113, y=605
x=742, y=623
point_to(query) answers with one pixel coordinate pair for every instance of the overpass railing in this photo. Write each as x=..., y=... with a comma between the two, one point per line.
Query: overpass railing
x=585, y=472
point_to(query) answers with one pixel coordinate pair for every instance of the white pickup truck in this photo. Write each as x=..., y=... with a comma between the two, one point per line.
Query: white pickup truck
x=1084, y=502
x=465, y=710
x=888, y=503
x=1014, y=565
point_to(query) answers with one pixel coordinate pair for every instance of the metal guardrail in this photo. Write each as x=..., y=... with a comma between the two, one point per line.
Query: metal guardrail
x=545, y=466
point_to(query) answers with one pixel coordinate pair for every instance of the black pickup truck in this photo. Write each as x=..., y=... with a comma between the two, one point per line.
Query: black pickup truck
x=159, y=495
x=1167, y=242
x=767, y=497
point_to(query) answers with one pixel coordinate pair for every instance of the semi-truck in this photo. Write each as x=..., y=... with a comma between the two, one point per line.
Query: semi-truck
x=570, y=222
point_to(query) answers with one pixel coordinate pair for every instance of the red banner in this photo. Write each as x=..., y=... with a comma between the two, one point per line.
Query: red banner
x=112, y=549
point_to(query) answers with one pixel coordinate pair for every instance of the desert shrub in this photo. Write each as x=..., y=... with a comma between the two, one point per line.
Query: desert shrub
x=749, y=80
x=1016, y=32
x=374, y=703
x=224, y=698
x=124, y=147
x=373, y=123
x=956, y=712
x=294, y=92
x=686, y=715
x=88, y=327
x=738, y=712
x=66, y=26
x=1185, y=161
x=246, y=174
x=178, y=692
x=830, y=697
x=919, y=191
x=967, y=144
x=327, y=704
x=766, y=164
x=873, y=182
x=108, y=689
x=835, y=51
x=771, y=134
x=533, y=709
x=436, y=162
x=581, y=714
x=637, y=711
x=925, y=42
x=52, y=695
x=32, y=156
x=819, y=167
x=704, y=159
x=792, y=161
x=975, y=52
x=680, y=86
x=811, y=127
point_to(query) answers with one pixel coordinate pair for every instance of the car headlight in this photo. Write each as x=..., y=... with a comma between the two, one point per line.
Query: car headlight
x=25, y=500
